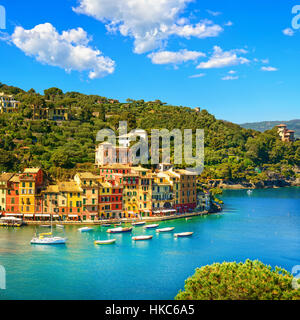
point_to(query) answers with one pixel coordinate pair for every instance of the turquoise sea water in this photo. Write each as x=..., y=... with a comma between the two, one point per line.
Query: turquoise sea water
x=264, y=226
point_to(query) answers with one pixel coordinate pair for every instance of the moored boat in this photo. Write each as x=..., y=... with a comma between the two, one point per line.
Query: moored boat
x=110, y=241
x=85, y=229
x=119, y=230
x=183, y=234
x=106, y=225
x=151, y=226
x=141, y=238
x=45, y=226
x=165, y=229
x=11, y=222
x=136, y=224
x=60, y=226
x=48, y=240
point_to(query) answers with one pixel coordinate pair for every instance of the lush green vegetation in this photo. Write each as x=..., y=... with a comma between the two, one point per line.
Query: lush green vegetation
x=231, y=152
x=251, y=280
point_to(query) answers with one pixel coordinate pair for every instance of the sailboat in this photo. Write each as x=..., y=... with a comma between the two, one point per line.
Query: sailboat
x=48, y=238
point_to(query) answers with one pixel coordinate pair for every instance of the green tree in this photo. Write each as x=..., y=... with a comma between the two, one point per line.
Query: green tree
x=251, y=280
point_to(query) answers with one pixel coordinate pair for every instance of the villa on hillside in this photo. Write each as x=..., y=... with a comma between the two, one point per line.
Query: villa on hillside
x=8, y=104
x=285, y=134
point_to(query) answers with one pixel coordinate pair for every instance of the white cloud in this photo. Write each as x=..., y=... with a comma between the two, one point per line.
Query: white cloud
x=269, y=69
x=149, y=23
x=228, y=24
x=265, y=61
x=227, y=78
x=199, y=75
x=220, y=59
x=288, y=32
x=214, y=13
x=68, y=50
x=165, y=57
x=232, y=72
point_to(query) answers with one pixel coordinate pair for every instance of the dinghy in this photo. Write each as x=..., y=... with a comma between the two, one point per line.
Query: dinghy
x=151, y=226
x=165, y=229
x=137, y=224
x=183, y=234
x=119, y=230
x=111, y=241
x=85, y=229
x=141, y=238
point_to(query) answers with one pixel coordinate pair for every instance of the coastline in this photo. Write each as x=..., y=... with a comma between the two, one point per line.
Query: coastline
x=148, y=219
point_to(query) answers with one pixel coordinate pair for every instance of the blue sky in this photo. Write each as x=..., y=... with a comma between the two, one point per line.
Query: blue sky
x=237, y=59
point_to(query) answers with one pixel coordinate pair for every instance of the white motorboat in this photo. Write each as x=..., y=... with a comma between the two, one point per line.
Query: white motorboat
x=151, y=226
x=249, y=192
x=183, y=234
x=141, y=238
x=119, y=230
x=137, y=224
x=85, y=229
x=165, y=229
x=60, y=226
x=111, y=241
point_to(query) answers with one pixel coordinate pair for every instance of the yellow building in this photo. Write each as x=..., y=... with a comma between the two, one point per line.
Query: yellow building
x=27, y=193
x=8, y=104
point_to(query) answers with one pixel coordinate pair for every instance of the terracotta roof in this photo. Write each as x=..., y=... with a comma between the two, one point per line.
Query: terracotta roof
x=282, y=125
x=105, y=185
x=32, y=170
x=6, y=176
x=15, y=178
x=140, y=169
x=52, y=189
x=69, y=186
x=87, y=175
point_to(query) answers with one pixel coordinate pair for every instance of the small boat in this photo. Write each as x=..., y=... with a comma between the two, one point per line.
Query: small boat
x=85, y=229
x=151, y=226
x=45, y=225
x=165, y=229
x=60, y=226
x=183, y=234
x=136, y=224
x=141, y=238
x=111, y=241
x=249, y=192
x=105, y=225
x=119, y=230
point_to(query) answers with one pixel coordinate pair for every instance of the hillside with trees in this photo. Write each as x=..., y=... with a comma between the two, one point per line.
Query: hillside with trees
x=62, y=147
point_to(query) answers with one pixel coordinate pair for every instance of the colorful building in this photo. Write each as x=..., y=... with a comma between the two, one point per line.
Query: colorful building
x=12, y=196
x=88, y=182
x=4, y=179
x=8, y=104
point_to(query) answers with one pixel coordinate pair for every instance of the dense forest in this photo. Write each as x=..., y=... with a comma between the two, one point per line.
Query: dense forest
x=62, y=147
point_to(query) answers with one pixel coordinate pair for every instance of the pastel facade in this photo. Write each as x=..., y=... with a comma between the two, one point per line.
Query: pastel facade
x=285, y=134
x=8, y=104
